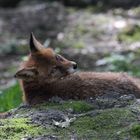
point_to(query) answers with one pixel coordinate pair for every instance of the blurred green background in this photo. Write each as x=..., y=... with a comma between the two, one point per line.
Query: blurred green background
x=100, y=35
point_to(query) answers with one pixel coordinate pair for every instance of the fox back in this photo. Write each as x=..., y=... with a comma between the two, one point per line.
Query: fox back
x=46, y=74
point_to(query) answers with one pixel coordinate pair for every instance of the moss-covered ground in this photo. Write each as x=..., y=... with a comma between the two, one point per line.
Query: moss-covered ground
x=75, y=106
x=109, y=124
x=15, y=129
x=135, y=130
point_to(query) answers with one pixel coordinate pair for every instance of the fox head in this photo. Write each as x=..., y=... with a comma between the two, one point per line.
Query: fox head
x=44, y=63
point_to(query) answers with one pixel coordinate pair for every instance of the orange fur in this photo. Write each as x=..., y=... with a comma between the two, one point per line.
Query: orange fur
x=49, y=76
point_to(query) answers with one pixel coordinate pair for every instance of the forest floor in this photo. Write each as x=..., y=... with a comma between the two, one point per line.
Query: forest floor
x=110, y=117
x=102, y=39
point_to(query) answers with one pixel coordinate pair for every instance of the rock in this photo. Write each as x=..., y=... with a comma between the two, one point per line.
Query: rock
x=56, y=100
x=46, y=121
x=47, y=117
x=111, y=99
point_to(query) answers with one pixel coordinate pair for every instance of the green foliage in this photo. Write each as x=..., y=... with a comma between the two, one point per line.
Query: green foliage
x=135, y=130
x=123, y=63
x=136, y=10
x=79, y=45
x=10, y=98
x=130, y=34
x=13, y=46
x=81, y=29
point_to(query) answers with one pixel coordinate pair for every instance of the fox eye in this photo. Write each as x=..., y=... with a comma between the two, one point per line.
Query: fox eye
x=59, y=58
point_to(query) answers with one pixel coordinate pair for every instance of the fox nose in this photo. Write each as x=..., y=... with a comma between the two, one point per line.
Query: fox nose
x=74, y=65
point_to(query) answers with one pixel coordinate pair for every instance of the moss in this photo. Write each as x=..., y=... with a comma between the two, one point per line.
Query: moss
x=16, y=129
x=135, y=130
x=109, y=124
x=104, y=126
x=76, y=106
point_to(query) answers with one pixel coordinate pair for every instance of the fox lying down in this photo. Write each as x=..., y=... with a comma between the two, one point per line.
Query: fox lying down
x=46, y=74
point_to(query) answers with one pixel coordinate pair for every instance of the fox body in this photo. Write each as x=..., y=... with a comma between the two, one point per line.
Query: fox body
x=46, y=74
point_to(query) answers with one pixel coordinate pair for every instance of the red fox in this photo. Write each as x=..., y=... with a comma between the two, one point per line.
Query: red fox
x=46, y=74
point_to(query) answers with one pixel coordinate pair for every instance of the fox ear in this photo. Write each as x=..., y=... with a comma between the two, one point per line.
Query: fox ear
x=35, y=45
x=27, y=74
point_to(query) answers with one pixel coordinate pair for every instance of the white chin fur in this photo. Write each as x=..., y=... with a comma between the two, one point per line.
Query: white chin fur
x=71, y=70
